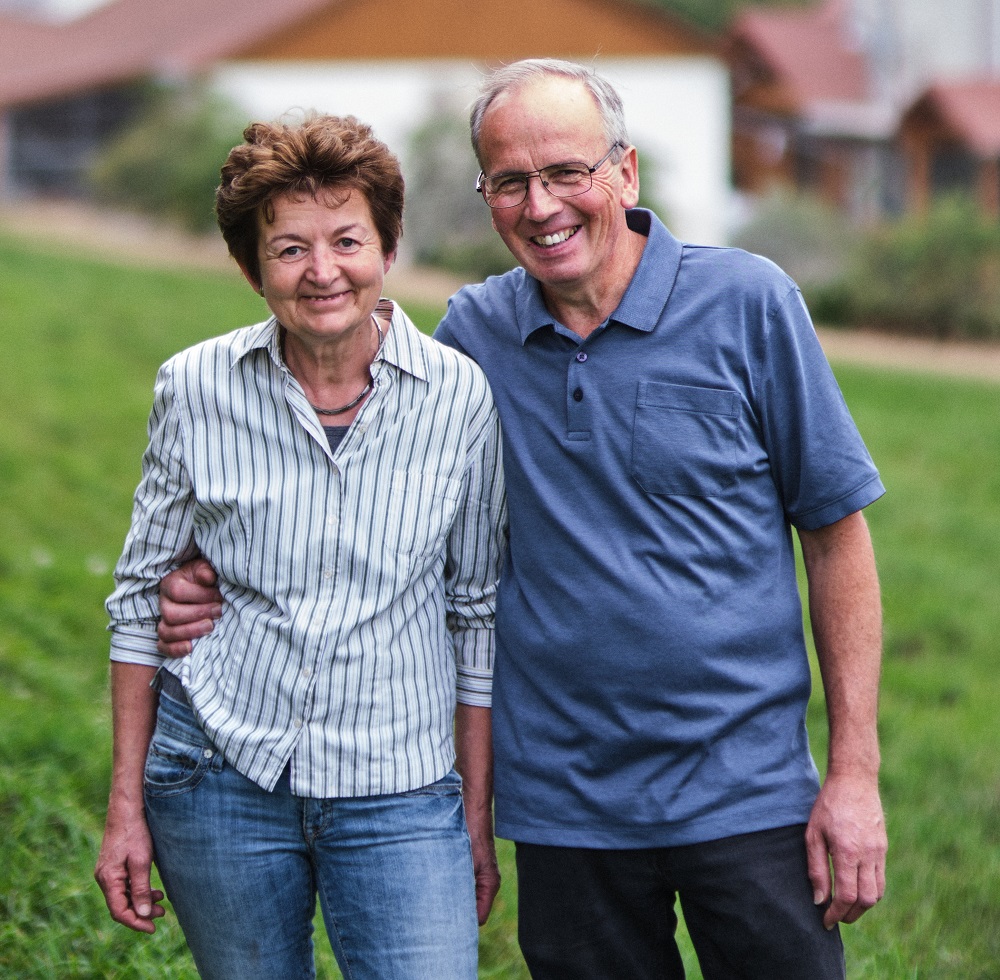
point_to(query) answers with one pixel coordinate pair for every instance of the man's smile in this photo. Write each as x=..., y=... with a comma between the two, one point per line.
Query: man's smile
x=556, y=238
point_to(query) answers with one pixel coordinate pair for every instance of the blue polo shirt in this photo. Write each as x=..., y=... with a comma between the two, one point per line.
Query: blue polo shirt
x=651, y=675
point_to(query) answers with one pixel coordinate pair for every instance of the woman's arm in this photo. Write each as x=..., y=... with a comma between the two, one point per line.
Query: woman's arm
x=474, y=762
x=126, y=857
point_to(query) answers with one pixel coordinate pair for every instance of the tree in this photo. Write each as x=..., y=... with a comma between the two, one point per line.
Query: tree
x=716, y=15
x=167, y=163
x=447, y=222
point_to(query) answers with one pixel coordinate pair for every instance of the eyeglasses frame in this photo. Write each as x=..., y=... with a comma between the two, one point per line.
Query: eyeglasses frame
x=538, y=173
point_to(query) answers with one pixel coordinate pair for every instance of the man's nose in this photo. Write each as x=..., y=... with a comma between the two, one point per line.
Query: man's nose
x=539, y=202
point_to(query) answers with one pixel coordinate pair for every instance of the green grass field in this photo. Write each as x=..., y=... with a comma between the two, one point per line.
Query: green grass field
x=83, y=340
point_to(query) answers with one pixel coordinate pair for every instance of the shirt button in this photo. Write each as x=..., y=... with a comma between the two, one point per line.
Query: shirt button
x=330, y=521
x=581, y=356
x=307, y=672
x=297, y=723
x=578, y=395
x=327, y=573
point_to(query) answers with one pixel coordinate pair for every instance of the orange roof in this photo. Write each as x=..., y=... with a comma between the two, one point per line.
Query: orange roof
x=807, y=52
x=132, y=39
x=969, y=111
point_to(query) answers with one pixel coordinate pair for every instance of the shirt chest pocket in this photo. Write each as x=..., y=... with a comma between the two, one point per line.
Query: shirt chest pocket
x=685, y=439
x=421, y=511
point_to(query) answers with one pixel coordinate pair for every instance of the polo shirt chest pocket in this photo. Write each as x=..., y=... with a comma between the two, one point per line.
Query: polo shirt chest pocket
x=685, y=439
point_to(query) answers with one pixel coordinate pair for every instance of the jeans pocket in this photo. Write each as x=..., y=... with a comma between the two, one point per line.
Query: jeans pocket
x=450, y=784
x=180, y=753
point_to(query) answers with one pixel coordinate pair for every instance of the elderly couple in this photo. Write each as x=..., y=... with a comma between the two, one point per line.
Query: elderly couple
x=327, y=495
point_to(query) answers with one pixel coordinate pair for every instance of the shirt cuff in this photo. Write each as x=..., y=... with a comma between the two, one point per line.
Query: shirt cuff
x=135, y=644
x=474, y=687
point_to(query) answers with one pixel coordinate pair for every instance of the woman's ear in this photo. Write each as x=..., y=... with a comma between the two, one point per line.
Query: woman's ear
x=255, y=283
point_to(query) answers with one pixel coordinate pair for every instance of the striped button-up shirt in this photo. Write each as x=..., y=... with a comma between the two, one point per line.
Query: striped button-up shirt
x=359, y=585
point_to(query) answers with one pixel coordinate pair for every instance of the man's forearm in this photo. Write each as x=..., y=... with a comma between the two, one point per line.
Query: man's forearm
x=845, y=838
x=846, y=613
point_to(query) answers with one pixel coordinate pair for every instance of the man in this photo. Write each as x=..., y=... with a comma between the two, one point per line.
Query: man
x=668, y=417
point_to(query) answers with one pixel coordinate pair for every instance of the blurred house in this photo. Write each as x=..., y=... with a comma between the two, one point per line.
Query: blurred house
x=951, y=141
x=64, y=89
x=875, y=105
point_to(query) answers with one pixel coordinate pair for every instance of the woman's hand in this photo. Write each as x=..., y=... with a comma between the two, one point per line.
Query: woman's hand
x=123, y=870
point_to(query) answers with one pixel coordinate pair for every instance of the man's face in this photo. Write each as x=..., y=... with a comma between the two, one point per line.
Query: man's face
x=563, y=242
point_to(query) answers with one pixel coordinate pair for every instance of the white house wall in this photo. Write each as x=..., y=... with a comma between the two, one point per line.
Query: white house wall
x=677, y=111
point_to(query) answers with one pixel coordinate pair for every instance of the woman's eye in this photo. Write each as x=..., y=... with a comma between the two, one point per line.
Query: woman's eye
x=347, y=243
x=291, y=252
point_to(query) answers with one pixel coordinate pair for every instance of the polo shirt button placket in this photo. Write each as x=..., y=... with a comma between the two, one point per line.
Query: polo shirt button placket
x=581, y=358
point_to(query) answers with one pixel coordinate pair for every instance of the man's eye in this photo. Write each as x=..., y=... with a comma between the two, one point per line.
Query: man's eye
x=508, y=185
x=565, y=175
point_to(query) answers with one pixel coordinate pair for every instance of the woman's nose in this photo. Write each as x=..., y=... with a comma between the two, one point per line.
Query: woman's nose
x=323, y=264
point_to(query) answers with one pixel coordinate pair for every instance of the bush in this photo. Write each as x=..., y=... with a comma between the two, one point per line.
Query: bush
x=936, y=275
x=167, y=163
x=447, y=222
x=798, y=232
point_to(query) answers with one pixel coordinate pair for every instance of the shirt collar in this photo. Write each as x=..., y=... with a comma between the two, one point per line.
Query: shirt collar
x=402, y=348
x=647, y=294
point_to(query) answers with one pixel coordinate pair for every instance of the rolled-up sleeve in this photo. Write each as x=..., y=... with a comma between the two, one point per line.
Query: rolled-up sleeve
x=160, y=536
x=476, y=546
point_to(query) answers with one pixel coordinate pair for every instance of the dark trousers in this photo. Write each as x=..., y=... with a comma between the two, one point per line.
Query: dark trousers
x=609, y=915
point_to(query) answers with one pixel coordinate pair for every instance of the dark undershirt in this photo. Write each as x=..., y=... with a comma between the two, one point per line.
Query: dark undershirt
x=335, y=435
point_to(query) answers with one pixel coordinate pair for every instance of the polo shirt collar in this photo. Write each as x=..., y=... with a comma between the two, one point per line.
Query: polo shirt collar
x=647, y=294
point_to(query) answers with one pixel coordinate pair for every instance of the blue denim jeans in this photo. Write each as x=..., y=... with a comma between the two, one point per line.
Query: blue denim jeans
x=242, y=868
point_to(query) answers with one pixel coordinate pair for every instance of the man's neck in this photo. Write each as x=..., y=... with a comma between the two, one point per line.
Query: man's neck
x=583, y=307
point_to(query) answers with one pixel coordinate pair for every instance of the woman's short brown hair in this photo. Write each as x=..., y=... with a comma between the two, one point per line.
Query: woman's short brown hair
x=321, y=152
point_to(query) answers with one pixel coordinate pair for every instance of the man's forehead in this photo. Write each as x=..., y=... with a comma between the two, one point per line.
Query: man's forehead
x=550, y=95
x=542, y=117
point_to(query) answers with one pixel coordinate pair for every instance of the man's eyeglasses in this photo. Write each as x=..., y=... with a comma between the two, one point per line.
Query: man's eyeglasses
x=560, y=180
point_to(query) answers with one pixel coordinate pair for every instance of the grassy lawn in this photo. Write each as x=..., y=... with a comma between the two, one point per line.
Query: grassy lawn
x=84, y=339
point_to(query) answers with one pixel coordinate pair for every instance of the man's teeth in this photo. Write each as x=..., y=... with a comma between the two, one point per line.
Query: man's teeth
x=559, y=236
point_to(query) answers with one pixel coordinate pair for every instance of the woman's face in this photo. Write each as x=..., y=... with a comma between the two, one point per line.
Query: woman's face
x=321, y=265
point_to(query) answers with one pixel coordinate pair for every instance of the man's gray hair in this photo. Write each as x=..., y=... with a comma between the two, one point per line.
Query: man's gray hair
x=609, y=103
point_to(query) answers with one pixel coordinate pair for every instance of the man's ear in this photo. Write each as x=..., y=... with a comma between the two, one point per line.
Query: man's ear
x=630, y=178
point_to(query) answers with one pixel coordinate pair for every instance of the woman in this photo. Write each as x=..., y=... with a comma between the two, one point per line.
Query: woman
x=341, y=472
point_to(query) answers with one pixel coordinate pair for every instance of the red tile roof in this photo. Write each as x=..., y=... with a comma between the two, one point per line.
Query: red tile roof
x=21, y=40
x=808, y=51
x=969, y=110
x=135, y=38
